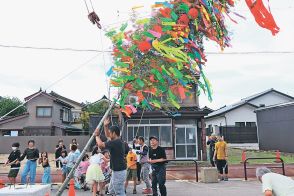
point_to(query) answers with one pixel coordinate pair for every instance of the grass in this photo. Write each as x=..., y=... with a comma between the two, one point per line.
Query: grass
x=235, y=156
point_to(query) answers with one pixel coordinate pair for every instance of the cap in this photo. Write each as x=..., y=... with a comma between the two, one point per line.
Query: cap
x=153, y=137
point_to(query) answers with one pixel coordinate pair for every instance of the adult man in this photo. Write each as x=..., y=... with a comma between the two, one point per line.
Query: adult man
x=116, y=148
x=211, y=142
x=157, y=158
x=145, y=166
x=59, y=148
x=221, y=157
x=274, y=184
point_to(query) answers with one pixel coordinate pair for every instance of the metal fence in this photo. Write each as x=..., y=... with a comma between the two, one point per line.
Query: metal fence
x=239, y=134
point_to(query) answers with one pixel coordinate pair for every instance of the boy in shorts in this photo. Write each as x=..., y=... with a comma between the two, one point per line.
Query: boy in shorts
x=131, y=169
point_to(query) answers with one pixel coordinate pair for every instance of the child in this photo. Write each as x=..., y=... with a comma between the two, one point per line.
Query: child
x=13, y=162
x=131, y=169
x=105, y=166
x=63, y=160
x=82, y=170
x=71, y=161
x=94, y=173
x=46, y=178
x=32, y=155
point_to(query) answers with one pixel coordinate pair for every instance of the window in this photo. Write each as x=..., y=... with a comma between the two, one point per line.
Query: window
x=240, y=124
x=44, y=111
x=161, y=128
x=66, y=115
x=250, y=124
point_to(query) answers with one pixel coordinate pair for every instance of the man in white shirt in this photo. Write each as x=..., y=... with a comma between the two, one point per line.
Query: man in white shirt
x=274, y=184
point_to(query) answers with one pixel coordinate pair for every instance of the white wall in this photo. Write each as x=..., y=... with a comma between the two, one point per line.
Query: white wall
x=244, y=113
x=270, y=99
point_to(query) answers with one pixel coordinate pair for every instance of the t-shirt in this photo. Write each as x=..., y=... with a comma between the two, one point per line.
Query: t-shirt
x=31, y=154
x=59, y=150
x=220, y=148
x=14, y=155
x=63, y=160
x=144, y=154
x=158, y=153
x=132, y=160
x=72, y=159
x=137, y=149
x=117, y=152
x=280, y=185
x=96, y=159
x=83, y=167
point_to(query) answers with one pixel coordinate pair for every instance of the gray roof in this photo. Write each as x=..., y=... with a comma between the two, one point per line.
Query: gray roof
x=280, y=105
x=244, y=101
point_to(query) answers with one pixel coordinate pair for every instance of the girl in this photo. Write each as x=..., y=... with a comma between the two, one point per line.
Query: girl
x=63, y=161
x=46, y=178
x=13, y=162
x=94, y=173
x=82, y=170
x=106, y=169
x=32, y=155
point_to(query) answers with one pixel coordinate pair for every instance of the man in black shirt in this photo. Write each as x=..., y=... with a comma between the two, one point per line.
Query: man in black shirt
x=157, y=158
x=59, y=148
x=211, y=142
x=116, y=148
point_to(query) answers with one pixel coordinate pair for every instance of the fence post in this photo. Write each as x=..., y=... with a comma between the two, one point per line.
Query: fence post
x=245, y=169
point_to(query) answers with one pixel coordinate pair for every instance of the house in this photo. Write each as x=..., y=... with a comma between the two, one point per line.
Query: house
x=275, y=127
x=48, y=114
x=181, y=133
x=238, y=121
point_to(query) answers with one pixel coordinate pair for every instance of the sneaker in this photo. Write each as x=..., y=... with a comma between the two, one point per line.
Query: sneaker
x=147, y=191
x=226, y=179
x=134, y=191
x=222, y=178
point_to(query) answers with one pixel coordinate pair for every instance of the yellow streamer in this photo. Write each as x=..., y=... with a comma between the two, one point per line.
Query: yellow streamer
x=205, y=13
x=170, y=52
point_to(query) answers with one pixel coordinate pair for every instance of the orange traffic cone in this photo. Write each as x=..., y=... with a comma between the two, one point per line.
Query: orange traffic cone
x=243, y=156
x=71, y=190
x=1, y=184
x=278, y=156
x=47, y=194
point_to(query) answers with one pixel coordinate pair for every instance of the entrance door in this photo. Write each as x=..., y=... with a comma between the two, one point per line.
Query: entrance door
x=186, y=142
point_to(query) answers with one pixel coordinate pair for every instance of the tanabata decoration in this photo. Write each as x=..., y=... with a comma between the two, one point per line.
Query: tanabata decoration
x=163, y=57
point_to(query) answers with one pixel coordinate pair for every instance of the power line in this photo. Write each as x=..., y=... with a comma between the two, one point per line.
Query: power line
x=109, y=51
x=51, y=85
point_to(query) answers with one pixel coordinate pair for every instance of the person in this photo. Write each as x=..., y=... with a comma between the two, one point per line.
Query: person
x=274, y=184
x=63, y=160
x=32, y=155
x=46, y=178
x=116, y=148
x=131, y=169
x=157, y=158
x=73, y=142
x=71, y=161
x=221, y=157
x=13, y=162
x=211, y=142
x=59, y=148
x=106, y=169
x=94, y=173
x=82, y=170
x=136, y=148
x=145, y=165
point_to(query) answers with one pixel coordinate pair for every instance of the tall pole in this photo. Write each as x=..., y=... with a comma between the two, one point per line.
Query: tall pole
x=69, y=176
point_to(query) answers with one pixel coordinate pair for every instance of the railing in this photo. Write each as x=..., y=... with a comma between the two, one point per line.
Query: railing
x=184, y=160
x=274, y=158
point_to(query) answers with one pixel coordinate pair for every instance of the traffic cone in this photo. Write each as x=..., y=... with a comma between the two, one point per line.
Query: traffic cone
x=47, y=194
x=278, y=156
x=243, y=156
x=71, y=190
x=1, y=184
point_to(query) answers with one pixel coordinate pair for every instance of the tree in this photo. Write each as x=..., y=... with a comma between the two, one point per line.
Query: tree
x=9, y=103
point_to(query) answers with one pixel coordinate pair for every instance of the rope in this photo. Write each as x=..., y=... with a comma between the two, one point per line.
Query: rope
x=87, y=6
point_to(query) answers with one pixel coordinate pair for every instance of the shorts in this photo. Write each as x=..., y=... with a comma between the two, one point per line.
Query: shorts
x=222, y=166
x=107, y=176
x=131, y=174
x=13, y=173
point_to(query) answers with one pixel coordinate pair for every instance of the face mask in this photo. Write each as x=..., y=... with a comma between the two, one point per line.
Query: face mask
x=14, y=148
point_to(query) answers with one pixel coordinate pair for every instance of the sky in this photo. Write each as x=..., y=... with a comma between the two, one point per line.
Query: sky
x=81, y=75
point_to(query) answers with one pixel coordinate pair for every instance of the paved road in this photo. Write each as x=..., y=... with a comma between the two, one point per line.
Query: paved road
x=183, y=188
